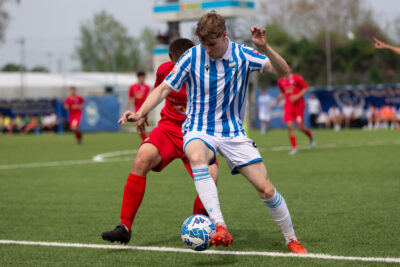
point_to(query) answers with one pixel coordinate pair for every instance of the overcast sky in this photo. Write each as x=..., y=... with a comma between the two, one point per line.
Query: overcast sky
x=51, y=27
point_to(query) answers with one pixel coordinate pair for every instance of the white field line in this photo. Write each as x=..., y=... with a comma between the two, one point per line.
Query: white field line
x=106, y=157
x=209, y=252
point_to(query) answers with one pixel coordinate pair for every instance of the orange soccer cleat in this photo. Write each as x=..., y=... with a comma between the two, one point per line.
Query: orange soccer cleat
x=296, y=248
x=221, y=237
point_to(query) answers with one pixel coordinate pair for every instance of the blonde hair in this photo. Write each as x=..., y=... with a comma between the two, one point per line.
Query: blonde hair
x=210, y=26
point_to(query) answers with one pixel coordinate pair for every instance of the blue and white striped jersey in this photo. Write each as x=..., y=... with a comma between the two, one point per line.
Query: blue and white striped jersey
x=216, y=89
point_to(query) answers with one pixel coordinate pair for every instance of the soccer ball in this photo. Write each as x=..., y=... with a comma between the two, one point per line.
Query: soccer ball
x=196, y=232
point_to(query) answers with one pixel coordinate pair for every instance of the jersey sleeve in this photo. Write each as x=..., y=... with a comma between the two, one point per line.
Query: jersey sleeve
x=256, y=60
x=301, y=82
x=179, y=74
x=160, y=76
x=130, y=91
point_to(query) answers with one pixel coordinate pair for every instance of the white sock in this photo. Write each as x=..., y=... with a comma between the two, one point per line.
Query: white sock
x=208, y=193
x=280, y=213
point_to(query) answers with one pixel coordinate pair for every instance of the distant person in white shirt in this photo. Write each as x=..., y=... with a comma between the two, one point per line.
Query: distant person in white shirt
x=265, y=103
x=314, y=109
x=358, y=116
x=334, y=118
x=347, y=111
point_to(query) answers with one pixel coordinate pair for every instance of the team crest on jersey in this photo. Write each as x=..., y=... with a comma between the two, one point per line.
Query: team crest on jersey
x=291, y=82
x=255, y=52
x=233, y=65
x=207, y=67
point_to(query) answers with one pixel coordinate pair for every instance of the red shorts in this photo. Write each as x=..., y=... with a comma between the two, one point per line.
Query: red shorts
x=294, y=113
x=74, y=118
x=170, y=146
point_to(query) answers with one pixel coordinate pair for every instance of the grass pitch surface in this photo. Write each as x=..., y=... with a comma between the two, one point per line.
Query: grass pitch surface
x=343, y=197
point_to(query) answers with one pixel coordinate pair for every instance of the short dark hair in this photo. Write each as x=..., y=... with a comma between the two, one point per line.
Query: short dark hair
x=178, y=47
x=141, y=73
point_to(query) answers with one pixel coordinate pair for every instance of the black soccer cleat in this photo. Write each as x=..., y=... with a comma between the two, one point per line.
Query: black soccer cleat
x=119, y=234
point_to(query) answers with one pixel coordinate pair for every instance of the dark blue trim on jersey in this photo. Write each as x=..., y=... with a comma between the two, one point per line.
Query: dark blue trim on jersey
x=202, y=86
x=235, y=169
x=213, y=89
x=243, y=78
x=225, y=103
x=207, y=144
x=253, y=54
x=235, y=90
x=255, y=65
x=194, y=89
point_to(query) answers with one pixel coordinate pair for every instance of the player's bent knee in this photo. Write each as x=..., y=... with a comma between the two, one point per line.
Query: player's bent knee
x=267, y=192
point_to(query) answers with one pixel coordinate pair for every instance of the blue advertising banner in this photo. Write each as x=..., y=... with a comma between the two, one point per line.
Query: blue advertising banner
x=100, y=114
x=379, y=96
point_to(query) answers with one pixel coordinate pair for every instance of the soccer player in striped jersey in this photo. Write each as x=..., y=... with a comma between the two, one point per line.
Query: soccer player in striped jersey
x=164, y=144
x=216, y=73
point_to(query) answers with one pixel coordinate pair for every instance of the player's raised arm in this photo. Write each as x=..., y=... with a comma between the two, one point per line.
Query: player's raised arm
x=155, y=98
x=381, y=45
x=276, y=63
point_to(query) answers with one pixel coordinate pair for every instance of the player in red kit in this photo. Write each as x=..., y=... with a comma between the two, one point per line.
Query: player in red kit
x=164, y=144
x=74, y=103
x=293, y=87
x=137, y=94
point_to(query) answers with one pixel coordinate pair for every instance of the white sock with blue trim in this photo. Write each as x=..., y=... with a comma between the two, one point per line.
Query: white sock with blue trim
x=208, y=193
x=280, y=213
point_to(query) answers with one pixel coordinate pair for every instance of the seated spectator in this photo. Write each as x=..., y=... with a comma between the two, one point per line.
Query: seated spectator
x=322, y=120
x=347, y=111
x=314, y=109
x=49, y=122
x=7, y=124
x=358, y=116
x=33, y=124
x=372, y=115
x=334, y=118
x=19, y=123
x=387, y=117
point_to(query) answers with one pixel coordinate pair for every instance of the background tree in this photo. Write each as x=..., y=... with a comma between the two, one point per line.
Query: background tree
x=148, y=41
x=4, y=18
x=106, y=46
x=40, y=69
x=12, y=67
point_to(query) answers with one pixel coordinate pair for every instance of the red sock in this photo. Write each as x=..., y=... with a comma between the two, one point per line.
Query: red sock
x=143, y=136
x=198, y=207
x=293, y=141
x=133, y=195
x=78, y=134
x=309, y=134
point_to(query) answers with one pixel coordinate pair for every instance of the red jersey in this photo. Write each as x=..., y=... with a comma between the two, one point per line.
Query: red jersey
x=139, y=93
x=292, y=86
x=174, y=112
x=74, y=100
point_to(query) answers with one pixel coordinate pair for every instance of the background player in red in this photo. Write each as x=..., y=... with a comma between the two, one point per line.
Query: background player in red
x=293, y=88
x=137, y=94
x=74, y=103
x=164, y=144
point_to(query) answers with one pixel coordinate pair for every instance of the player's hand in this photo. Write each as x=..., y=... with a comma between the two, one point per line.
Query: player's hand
x=379, y=44
x=293, y=98
x=128, y=116
x=141, y=125
x=258, y=36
